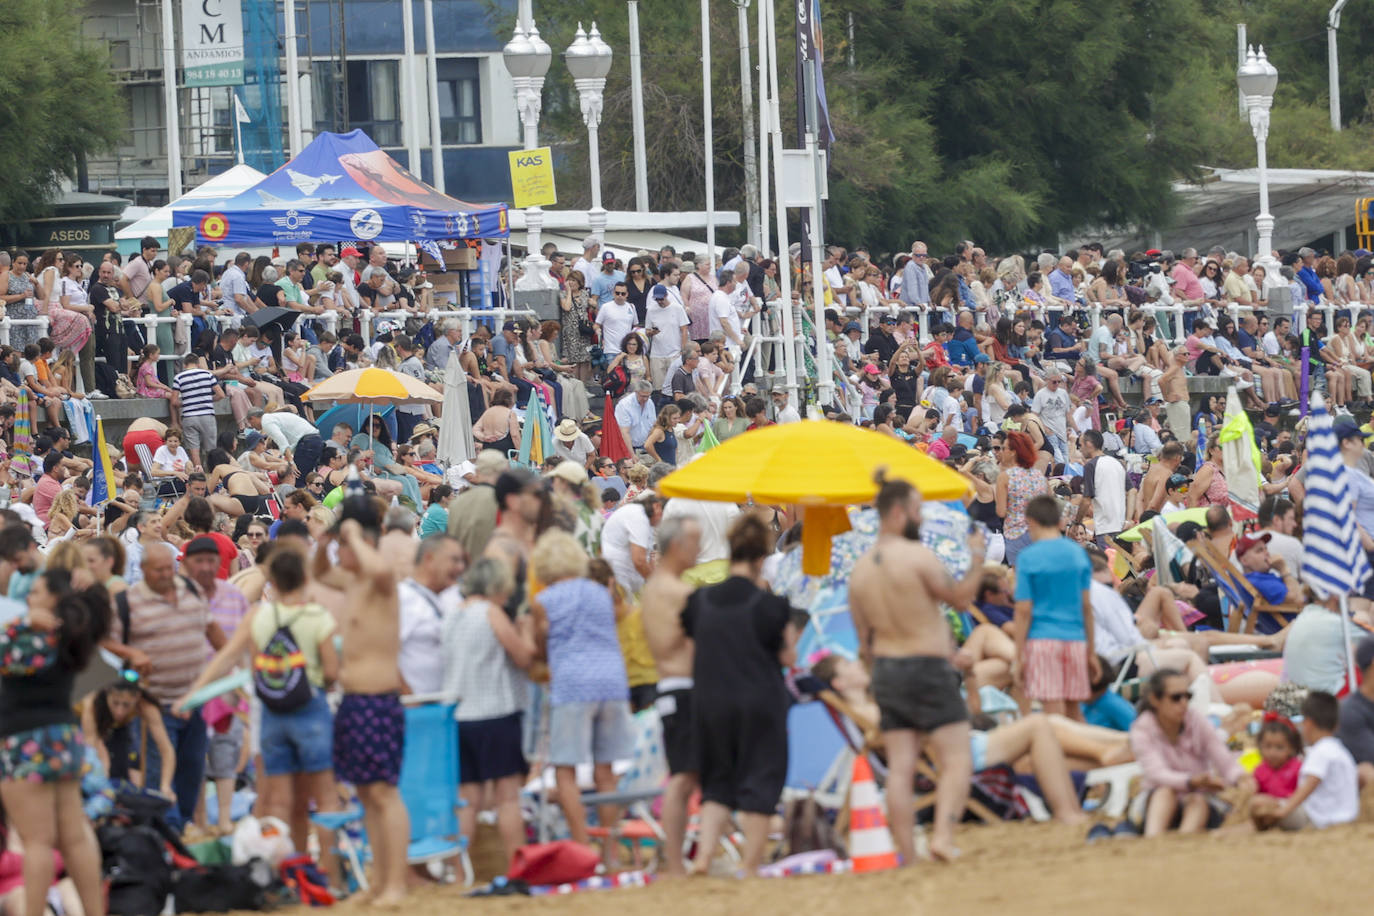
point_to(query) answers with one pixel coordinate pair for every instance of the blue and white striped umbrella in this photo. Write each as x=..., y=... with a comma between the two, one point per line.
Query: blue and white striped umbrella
x=1334, y=561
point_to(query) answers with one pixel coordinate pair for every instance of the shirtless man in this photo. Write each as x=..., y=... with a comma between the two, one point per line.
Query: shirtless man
x=893, y=597
x=520, y=497
x=663, y=598
x=1154, y=489
x=369, y=728
x=1173, y=387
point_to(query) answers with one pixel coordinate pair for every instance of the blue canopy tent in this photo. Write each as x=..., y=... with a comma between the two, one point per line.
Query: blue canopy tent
x=341, y=186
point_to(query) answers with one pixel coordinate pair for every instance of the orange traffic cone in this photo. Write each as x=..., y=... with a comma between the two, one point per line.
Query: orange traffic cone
x=870, y=841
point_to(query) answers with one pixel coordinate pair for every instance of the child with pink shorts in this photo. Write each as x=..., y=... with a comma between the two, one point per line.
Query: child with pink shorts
x=1053, y=615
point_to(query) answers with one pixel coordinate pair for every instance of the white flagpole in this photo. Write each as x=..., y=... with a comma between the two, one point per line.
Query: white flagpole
x=436, y=145
x=239, y=118
x=169, y=100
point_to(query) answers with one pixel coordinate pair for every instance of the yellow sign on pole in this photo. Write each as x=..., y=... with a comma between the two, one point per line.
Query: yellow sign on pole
x=531, y=178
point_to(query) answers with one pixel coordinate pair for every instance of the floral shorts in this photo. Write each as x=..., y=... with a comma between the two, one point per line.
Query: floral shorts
x=49, y=754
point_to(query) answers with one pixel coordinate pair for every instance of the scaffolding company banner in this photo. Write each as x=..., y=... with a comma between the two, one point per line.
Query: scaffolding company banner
x=212, y=42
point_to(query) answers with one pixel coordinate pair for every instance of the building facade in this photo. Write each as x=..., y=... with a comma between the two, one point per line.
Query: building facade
x=351, y=75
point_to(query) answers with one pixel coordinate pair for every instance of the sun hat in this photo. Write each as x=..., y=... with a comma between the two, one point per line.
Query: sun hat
x=567, y=430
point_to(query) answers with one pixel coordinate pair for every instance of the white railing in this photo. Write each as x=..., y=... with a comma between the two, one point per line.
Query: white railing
x=466, y=316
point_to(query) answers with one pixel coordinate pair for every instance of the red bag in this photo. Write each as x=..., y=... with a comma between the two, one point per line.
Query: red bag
x=562, y=862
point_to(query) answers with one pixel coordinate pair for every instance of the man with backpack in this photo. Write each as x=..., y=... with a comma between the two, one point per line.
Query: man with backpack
x=165, y=621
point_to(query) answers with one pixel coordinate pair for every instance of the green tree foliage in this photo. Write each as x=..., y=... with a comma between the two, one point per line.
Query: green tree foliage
x=58, y=101
x=1007, y=121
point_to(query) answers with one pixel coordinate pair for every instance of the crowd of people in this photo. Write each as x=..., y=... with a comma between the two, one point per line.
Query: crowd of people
x=557, y=601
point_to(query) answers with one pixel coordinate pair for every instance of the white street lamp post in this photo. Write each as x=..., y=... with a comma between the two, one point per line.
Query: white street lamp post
x=589, y=60
x=527, y=59
x=1257, y=79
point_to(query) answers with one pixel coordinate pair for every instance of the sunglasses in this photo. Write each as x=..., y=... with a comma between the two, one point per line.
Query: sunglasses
x=996, y=448
x=1179, y=697
x=636, y=271
x=255, y=535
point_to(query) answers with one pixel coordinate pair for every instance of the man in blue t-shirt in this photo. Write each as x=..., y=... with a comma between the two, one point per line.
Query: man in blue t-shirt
x=1270, y=576
x=1054, y=661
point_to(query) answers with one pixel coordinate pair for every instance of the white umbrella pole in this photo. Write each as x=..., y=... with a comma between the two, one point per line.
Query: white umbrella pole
x=1345, y=641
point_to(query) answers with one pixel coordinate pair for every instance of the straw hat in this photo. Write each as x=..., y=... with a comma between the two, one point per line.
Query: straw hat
x=567, y=430
x=422, y=429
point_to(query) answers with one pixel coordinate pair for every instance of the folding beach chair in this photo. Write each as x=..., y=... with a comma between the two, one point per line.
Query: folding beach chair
x=429, y=786
x=1242, y=595
x=820, y=761
x=638, y=788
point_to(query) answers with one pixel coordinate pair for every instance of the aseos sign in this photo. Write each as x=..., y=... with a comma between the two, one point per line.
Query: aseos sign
x=212, y=42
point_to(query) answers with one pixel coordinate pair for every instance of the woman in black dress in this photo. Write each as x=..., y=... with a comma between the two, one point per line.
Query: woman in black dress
x=744, y=636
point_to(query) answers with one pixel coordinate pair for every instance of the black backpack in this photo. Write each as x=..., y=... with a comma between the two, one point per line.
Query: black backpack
x=224, y=888
x=280, y=676
x=136, y=864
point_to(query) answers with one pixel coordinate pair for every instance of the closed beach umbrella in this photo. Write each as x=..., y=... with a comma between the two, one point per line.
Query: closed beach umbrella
x=1240, y=458
x=455, y=430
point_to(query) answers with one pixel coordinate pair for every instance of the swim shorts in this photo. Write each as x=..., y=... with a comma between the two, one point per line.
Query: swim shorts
x=674, y=706
x=919, y=692
x=369, y=738
x=1057, y=669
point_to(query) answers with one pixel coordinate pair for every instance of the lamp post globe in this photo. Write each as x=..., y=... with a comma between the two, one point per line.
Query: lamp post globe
x=1257, y=78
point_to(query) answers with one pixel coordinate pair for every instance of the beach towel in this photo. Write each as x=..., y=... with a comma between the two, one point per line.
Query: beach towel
x=21, y=461
x=80, y=419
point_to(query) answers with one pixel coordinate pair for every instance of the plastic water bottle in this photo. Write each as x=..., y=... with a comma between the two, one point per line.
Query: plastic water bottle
x=4, y=496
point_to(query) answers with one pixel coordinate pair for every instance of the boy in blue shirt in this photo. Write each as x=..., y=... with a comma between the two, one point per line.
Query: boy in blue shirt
x=1054, y=616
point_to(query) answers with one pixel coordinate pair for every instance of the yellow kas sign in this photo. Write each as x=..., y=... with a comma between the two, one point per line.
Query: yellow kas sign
x=531, y=178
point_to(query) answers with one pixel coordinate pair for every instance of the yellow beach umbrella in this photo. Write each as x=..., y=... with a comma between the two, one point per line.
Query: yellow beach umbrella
x=372, y=386
x=820, y=466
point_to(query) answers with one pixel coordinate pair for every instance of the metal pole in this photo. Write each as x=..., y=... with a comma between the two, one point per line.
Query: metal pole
x=436, y=137
x=1333, y=67
x=637, y=113
x=708, y=137
x=746, y=83
x=770, y=75
x=169, y=100
x=1240, y=61
x=765, y=53
x=293, y=80
x=412, y=95
x=825, y=384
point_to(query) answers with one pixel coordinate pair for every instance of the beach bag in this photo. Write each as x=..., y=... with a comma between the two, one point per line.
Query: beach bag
x=266, y=838
x=807, y=829
x=279, y=670
x=134, y=861
x=560, y=862
x=107, y=380
x=222, y=888
x=617, y=381
x=302, y=875
x=123, y=387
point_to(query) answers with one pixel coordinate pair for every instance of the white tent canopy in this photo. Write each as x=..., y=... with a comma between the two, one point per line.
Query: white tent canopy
x=223, y=186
